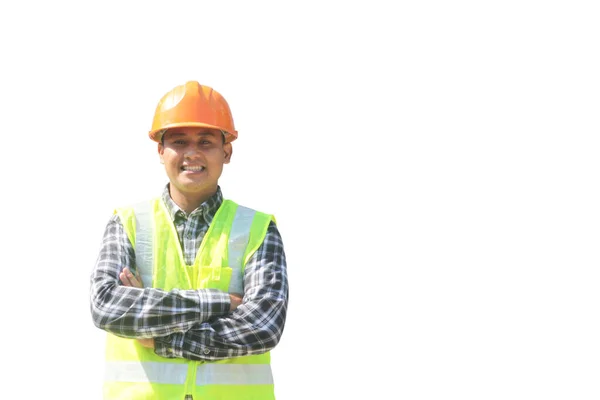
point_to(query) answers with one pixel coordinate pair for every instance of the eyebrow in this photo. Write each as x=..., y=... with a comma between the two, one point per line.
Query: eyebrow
x=172, y=134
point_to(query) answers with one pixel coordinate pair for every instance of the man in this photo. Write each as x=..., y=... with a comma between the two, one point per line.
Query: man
x=191, y=288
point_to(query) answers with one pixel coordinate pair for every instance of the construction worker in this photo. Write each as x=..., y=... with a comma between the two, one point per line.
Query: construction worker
x=191, y=287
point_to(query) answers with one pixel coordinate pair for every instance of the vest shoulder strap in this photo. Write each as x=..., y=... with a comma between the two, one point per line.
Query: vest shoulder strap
x=236, y=247
x=137, y=222
x=247, y=233
x=144, y=241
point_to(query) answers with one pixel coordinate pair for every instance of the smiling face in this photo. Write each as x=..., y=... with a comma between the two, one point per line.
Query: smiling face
x=193, y=159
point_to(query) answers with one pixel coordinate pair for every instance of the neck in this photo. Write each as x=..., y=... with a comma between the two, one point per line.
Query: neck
x=188, y=202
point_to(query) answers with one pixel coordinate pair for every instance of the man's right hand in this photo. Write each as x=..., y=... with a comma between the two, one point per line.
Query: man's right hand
x=131, y=280
x=236, y=300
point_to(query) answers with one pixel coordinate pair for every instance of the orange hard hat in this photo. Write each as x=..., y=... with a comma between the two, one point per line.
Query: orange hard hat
x=194, y=105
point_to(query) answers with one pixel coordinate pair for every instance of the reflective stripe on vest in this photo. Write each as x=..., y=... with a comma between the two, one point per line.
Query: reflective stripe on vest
x=238, y=240
x=143, y=242
x=156, y=372
x=175, y=374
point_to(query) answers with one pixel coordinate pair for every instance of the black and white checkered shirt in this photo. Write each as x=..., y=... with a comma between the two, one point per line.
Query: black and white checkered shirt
x=192, y=324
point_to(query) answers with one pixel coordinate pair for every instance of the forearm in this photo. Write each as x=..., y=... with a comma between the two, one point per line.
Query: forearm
x=143, y=313
x=254, y=327
x=227, y=337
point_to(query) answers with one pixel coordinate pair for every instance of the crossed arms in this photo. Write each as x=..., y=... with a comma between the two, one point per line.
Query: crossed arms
x=204, y=324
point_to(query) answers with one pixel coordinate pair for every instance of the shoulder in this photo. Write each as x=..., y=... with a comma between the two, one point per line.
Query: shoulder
x=127, y=214
x=261, y=217
x=265, y=219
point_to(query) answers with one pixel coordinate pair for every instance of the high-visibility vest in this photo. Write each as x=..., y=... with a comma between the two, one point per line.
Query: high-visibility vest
x=135, y=372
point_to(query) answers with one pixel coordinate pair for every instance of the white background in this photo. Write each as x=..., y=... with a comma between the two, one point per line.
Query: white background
x=433, y=167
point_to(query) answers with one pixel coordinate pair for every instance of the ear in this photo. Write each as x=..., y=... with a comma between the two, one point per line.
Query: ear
x=228, y=150
x=161, y=150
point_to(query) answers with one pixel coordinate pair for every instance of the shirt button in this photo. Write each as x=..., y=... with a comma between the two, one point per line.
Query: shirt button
x=206, y=351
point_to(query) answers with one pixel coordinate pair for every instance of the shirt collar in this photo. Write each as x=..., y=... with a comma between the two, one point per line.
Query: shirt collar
x=206, y=209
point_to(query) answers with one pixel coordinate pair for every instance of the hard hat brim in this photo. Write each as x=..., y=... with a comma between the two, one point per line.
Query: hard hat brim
x=157, y=134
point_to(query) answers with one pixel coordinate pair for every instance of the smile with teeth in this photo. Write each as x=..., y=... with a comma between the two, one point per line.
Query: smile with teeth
x=192, y=168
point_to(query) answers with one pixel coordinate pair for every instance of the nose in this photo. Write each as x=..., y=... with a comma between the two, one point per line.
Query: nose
x=192, y=151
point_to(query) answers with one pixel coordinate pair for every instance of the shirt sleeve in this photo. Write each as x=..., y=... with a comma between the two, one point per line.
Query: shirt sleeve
x=143, y=313
x=255, y=327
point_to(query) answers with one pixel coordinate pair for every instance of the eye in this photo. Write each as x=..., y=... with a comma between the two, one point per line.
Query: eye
x=179, y=142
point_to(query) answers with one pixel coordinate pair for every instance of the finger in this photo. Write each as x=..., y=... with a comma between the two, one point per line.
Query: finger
x=135, y=281
x=125, y=279
x=149, y=343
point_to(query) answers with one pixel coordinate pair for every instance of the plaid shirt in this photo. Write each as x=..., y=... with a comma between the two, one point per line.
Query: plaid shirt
x=192, y=324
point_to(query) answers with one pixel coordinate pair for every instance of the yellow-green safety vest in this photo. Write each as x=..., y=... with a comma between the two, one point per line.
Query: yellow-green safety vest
x=134, y=372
